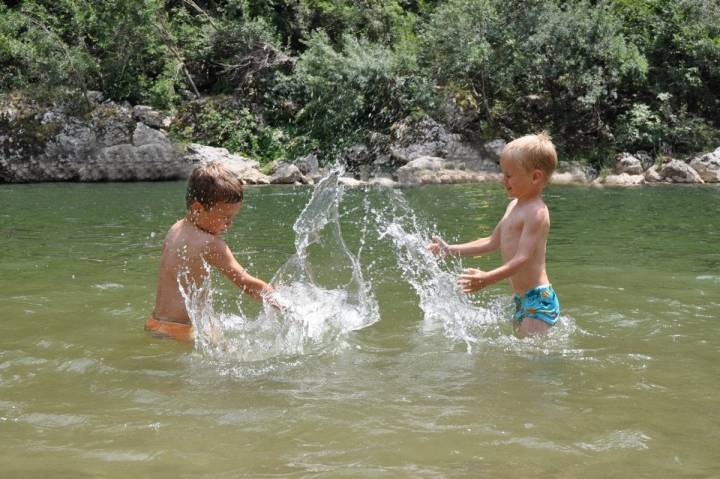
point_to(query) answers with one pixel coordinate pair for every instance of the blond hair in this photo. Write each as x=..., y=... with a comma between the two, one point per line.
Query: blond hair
x=212, y=183
x=533, y=152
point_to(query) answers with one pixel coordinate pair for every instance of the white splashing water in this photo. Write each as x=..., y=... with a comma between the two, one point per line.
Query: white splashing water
x=443, y=304
x=469, y=319
x=319, y=305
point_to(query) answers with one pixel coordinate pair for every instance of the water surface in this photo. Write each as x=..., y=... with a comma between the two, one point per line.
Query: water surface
x=625, y=386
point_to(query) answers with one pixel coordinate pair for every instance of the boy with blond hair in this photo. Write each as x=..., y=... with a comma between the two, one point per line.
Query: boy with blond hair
x=194, y=243
x=521, y=235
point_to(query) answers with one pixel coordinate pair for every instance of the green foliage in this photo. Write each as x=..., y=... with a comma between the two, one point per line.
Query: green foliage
x=222, y=122
x=600, y=75
x=345, y=92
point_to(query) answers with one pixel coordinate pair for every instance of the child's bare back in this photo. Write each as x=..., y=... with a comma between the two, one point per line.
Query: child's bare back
x=184, y=260
x=194, y=244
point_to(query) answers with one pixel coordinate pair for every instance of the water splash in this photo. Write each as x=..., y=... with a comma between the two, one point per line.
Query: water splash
x=443, y=304
x=467, y=319
x=321, y=292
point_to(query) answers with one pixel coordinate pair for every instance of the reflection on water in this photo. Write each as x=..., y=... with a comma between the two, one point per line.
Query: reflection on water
x=437, y=386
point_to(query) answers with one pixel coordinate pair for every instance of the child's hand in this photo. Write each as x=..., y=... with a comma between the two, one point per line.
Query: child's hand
x=439, y=247
x=473, y=280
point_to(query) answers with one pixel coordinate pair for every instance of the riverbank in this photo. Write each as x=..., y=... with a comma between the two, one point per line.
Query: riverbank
x=106, y=141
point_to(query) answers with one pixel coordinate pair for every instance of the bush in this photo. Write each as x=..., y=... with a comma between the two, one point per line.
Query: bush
x=343, y=93
x=223, y=122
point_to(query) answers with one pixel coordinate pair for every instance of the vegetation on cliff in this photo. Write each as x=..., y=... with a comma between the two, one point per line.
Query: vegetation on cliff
x=276, y=78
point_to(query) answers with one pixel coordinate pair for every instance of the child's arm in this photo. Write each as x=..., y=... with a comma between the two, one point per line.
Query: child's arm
x=534, y=232
x=473, y=248
x=222, y=258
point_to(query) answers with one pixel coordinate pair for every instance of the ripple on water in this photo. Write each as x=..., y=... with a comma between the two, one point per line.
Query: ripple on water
x=78, y=366
x=42, y=420
x=120, y=456
x=106, y=286
x=618, y=440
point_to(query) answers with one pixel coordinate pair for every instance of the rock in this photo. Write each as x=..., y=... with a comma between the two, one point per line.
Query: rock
x=308, y=165
x=646, y=160
x=628, y=164
x=433, y=170
x=144, y=135
x=356, y=155
x=383, y=182
x=251, y=176
x=652, y=175
x=350, y=182
x=244, y=168
x=286, y=174
x=151, y=117
x=425, y=137
x=95, y=97
x=623, y=179
x=195, y=153
x=105, y=145
x=677, y=171
x=708, y=166
x=570, y=173
x=494, y=148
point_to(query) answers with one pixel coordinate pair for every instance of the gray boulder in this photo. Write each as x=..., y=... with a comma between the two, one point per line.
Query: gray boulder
x=425, y=137
x=151, y=117
x=434, y=170
x=570, y=173
x=244, y=168
x=287, y=174
x=622, y=179
x=652, y=175
x=493, y=149
x=106, y=145
x=308, y=165
x=628, y=164
x=676, y=171
x=708, y=166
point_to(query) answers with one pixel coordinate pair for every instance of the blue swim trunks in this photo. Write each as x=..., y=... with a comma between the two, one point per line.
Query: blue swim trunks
x=538, y=303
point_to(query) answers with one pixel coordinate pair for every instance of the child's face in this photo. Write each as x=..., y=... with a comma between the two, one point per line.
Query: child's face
x=218, y=218
x=519, y=182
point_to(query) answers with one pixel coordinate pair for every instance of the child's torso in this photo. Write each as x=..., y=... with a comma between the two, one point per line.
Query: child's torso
x=183, y=262
x=533, y=273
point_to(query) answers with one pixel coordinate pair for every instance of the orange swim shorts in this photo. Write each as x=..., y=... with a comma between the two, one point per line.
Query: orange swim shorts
x=170, y=329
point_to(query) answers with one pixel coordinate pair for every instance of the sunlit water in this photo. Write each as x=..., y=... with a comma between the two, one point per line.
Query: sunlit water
x=378, y=367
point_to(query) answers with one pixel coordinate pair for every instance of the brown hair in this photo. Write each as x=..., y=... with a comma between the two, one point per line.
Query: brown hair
x=533, y=152
x=212, y=183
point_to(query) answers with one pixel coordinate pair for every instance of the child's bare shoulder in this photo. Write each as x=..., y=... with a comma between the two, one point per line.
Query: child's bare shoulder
x=537, y=212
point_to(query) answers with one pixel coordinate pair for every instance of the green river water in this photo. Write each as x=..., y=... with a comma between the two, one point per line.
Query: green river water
x=625, y=386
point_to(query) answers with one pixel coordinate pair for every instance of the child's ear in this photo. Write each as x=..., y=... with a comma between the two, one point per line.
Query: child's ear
x=538, y=176
x=196, y=207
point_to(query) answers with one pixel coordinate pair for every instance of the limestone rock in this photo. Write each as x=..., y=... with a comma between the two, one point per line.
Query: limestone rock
x=383, y=182
x=433, y=170
x=628, y=164
x=350, y=182
x=570, y=173
x=676, y=171
x=652, y=175
x=244, y=168
x=622, y=179
x=287, y=174
x=708, y=166
x=308, y=165
x=494, y=148
x=151, y=117
x=144, y=135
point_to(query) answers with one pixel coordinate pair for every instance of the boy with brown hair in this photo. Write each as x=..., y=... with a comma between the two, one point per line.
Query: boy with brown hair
x=194, y=243
x=521, y=235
